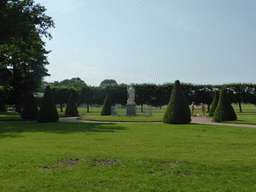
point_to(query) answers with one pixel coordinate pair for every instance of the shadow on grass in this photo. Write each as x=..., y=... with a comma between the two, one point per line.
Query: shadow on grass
x=12, y=129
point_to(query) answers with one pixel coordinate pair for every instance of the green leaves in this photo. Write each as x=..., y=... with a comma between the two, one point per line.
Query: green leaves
x=177, y=111
x=22, y=54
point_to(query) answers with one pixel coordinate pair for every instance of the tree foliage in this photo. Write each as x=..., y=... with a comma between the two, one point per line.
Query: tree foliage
x=177, y=111
x=22, y=52
x=62, y=94
x=224, y=110
x=71, y=108
x=74, y=83
x=214, y=103
x=30, y=108
x=48, y=111
x=108, y=82
x=106, y=109
x=151, y=94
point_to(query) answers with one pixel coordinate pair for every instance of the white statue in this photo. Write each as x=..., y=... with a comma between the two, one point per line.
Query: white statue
x=131, y=96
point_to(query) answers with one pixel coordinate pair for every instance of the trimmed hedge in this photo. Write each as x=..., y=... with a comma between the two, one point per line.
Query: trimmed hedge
x=214, y=103
x=106, y=109
x=224, y=110
x=71, y=106
x=48, y=111
x=177, y=111
x=30, y=109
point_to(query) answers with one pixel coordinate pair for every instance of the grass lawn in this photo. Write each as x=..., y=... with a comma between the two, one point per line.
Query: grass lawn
x=10, y=116
x=247, y=117
x=126, y=157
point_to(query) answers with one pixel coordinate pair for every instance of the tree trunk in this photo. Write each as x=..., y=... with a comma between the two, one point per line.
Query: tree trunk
x=240, y=108
x=141, y=108
x=61, y=107
x=88, y=106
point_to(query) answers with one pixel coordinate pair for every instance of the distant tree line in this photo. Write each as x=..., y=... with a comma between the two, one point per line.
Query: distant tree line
x=145, y=94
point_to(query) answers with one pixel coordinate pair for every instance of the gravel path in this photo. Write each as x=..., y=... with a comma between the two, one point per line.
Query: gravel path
x=194, y=120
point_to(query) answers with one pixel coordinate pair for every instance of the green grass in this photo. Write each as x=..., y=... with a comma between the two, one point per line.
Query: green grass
x=126, y=157
x=10, y=116
x=156, y=116
x=247, y=117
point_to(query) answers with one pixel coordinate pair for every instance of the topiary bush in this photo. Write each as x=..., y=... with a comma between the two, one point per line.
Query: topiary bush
x=177, y=111
x=214, y=103
x=48, y=111
x=224, y=110
x=30, y=108
x=71, y=108
x=106, y=109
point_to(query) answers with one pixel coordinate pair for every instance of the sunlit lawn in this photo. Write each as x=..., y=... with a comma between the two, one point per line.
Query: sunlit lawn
x=126, y=157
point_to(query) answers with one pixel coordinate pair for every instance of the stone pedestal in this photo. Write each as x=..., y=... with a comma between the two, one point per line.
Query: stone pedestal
x=131, y=110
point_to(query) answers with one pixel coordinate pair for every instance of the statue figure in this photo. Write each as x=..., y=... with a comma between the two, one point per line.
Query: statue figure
x=131, y=96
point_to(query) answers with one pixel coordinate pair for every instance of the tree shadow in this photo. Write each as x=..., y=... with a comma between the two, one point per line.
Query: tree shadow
x=14, y=129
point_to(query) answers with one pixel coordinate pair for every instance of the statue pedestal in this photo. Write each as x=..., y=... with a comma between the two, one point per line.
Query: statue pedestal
x=131, y=110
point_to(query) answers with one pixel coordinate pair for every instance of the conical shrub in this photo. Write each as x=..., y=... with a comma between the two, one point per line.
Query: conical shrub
x=214, y=103
x=106, y=109
x=30, y=108
x=48, y=111
x=71, y=106
x=177, y=111
x=224, y=110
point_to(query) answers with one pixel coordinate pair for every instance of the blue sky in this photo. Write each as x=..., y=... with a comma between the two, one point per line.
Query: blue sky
x=152, y=41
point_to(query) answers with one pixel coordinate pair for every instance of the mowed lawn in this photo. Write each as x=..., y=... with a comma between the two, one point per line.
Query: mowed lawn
x=126, y=157
x=248, y=116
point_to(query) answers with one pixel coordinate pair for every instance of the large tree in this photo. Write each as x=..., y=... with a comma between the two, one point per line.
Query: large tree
x=22, y=53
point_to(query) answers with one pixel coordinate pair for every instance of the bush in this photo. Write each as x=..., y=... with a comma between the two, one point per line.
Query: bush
x=224, y=110
x=106, y=109
x=177, y=111
x=30, y=109
x=48, y=111
x=71, y=106
x=214, y=103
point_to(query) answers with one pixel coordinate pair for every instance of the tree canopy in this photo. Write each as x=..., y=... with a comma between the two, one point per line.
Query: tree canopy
x=22, y=53
x=108, y=82
x=74, y=82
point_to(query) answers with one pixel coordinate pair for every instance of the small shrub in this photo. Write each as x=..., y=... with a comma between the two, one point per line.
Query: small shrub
x=224, y=110
x=30, y=109
x=106, y=109
x=177, y=111
x=48, y=111
x=71, y=106
x=214, y=103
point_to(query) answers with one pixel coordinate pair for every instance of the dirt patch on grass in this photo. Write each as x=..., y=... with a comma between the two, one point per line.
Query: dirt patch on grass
x=169, y=163
x=106, y=162
x=67, y=162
